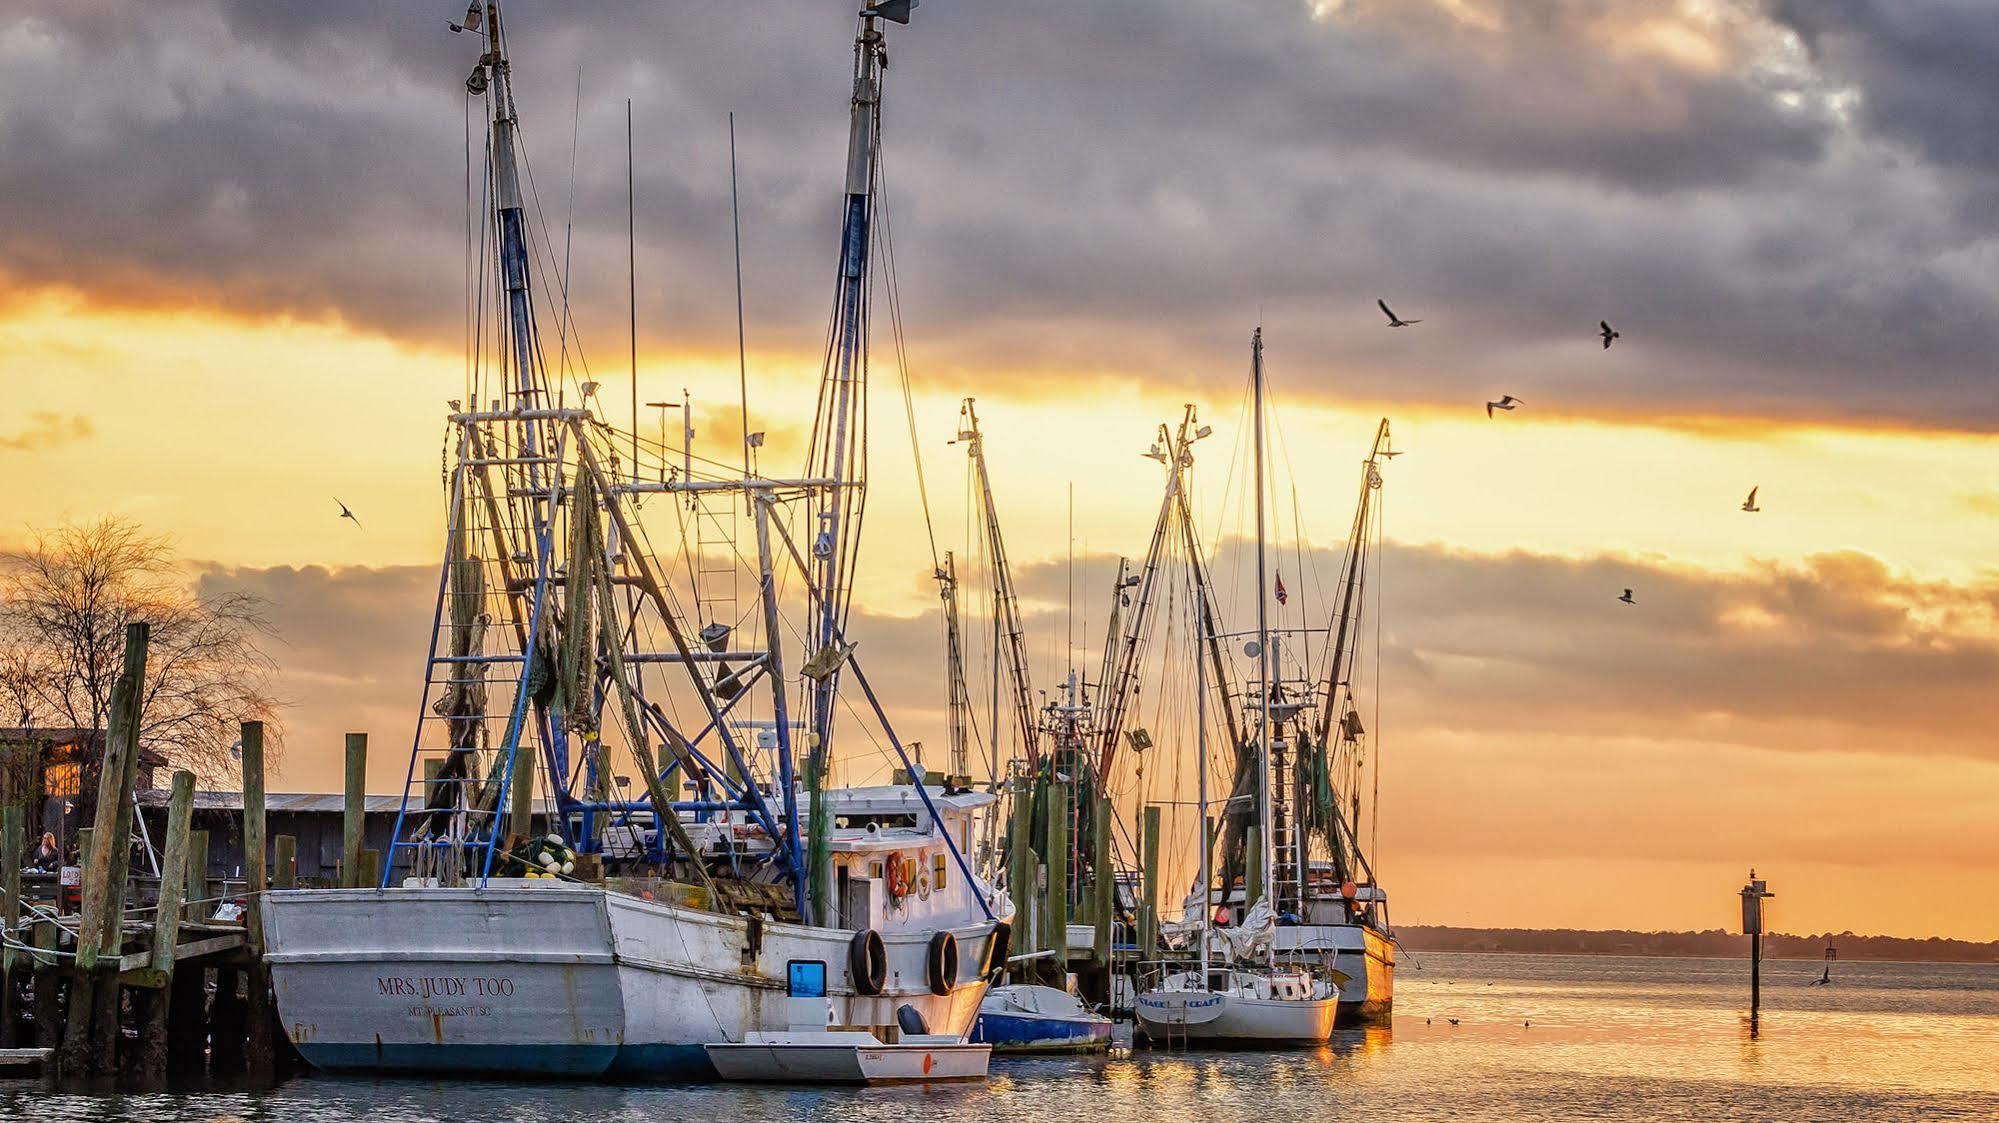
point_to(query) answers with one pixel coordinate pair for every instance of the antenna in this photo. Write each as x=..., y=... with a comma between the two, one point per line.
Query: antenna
x=632, y=281
x=1069, y=656
x=569, y=223
x=742, y=354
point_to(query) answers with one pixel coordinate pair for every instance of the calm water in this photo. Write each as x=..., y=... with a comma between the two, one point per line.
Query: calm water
x=1610, y=1039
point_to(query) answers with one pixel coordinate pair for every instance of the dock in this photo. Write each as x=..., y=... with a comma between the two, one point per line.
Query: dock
x=148, y=980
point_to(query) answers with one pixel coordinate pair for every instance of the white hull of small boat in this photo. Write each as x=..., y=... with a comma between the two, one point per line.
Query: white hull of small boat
x=848, y=1057
x=1228, y=1019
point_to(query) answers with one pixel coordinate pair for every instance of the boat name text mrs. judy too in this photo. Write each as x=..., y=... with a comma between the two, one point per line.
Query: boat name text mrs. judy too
x=444, y=987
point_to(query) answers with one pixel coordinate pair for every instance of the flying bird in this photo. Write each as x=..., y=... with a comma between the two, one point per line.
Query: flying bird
x=1626, y=598
x=1506, y=402
x=1749, y=504
x=1609, y=333
x=347, y=514
x=1394, y=320
x=1453, y=1021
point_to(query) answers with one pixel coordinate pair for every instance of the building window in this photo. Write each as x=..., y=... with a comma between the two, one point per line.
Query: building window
x=64, y=779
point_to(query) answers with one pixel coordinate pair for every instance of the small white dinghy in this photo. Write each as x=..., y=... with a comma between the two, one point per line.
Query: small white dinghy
x=849, y=1057
x=810, y=1053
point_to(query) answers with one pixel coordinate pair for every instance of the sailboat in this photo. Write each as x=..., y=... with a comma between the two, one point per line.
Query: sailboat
x=622, y=927
x=1250, y=998
x=1332, y=910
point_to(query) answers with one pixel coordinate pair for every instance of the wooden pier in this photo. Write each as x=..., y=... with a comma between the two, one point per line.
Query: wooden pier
x=146, y=984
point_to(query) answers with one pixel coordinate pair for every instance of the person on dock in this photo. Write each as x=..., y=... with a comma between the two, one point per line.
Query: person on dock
x=46, y=857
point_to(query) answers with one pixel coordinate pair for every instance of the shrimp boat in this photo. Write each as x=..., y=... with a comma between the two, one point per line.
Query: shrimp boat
x=1303, y=939
x=639, y=922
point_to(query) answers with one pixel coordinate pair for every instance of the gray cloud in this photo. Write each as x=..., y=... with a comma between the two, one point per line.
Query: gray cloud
x=1923, y=69
x=1835, y=653
x=1119, y=185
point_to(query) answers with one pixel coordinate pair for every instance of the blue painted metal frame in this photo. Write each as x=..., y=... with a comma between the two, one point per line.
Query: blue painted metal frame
x=430, y=661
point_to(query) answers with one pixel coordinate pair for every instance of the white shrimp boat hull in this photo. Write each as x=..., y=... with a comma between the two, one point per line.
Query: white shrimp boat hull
x=1229, y=1019
x=849, y=1058
x=561, y=980
x=1358, y=951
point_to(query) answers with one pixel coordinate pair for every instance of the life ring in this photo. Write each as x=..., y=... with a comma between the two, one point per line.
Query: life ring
x=898, y=876
x=997, y=946
x=943, y=963
x=867, y=959
x=923, y=884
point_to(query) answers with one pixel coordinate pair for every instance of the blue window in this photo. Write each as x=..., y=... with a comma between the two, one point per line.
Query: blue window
x=807, y=978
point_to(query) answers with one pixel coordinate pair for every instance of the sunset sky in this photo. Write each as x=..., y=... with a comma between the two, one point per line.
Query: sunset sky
x=232, y=287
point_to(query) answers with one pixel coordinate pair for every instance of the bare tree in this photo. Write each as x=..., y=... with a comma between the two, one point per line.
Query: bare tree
x=64, y=602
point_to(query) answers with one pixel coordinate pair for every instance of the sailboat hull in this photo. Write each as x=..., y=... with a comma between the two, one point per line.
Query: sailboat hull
x=1234, y=1020
x=564, y=981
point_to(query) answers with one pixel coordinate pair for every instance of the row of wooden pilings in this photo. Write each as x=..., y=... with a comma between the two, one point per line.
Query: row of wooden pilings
x=150, y=995
x=1042, y=889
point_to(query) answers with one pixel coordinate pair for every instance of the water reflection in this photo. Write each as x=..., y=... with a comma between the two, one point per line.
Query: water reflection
x=1537, y=1039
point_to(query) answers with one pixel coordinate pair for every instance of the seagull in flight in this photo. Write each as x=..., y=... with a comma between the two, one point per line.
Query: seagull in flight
x=1609, y=333
x=1505, y=402
x=1626, y=598
x=347, y=514
x=1394, y=320
x=1749, y=504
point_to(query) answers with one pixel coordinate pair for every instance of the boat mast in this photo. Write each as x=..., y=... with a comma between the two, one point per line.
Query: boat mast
x=1007, y=628
x=1266, y=838
x=1201, y=781
x=839, y=432
x=954, y=669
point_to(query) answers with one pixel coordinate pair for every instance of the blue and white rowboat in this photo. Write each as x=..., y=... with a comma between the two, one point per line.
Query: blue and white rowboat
x=1024, y=1018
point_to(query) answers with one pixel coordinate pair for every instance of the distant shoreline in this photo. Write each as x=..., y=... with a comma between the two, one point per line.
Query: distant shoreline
x=1711, y=944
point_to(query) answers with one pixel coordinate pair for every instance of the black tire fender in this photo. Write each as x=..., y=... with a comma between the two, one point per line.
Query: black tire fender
x=868, y=960
x=943, y=962
x=997, y=947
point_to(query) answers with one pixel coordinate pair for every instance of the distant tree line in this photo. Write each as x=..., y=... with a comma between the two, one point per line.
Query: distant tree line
x=1713, y=942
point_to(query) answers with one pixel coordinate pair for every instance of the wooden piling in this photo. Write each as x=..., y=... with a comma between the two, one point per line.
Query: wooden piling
x=1148, y=908
x=11, y=845
x=258, y=1055
x=354, y=816
x=197, y=901
x=90, y=1035
x=48, y=988
x=1252, y=879
x=520, y=793
x=255, y=868
x=187, y=1032
x=1055, y=933
x=284, y=862
x=1020, y=865
x=1104, y=908
x=154, y=1035
x=371, y=868
x=226, y=1026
